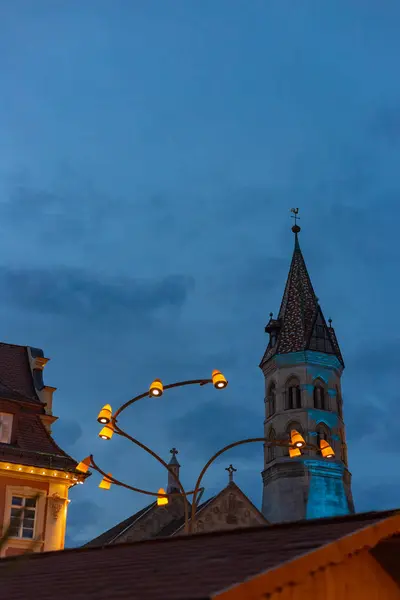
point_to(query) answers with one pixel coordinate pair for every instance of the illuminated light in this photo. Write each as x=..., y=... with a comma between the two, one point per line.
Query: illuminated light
x=31, y=471
x=219, y=381
x=43, y=472
x=19, y=468
x=84, y=465
x=156, y=389
x=107, y=432
x=66, y=476
x=105, y=483
x=54, y=474
x=75, y=478
x=105, y=414
x=162, y=500
x=297, y=439
x=294, y=452
x=326, y=450
x=7, y=467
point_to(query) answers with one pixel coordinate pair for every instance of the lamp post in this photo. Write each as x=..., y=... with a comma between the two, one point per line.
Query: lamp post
x=156, y=389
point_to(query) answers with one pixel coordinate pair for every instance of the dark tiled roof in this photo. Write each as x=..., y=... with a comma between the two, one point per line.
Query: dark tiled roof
x=177, y=568
x=178, y=524
x=35, y=446
x=299, y=313
x=16, y=382
x=111, y=534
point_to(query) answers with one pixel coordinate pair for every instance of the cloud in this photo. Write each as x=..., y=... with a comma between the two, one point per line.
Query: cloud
x=66, y=432
x=83, y=517
x=66, y=292
x=383, y=495
x=211, y=426
x=386, y=124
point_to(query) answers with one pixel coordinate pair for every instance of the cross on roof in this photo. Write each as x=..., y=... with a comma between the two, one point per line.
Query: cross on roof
x=231, y=470
x=174, y=451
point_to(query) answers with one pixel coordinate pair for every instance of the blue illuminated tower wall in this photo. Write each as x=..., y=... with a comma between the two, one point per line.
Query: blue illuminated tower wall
x=302, y=366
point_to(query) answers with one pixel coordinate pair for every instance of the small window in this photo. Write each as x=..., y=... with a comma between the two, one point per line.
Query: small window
x=273, y=339
x=22, y=518
x=323, y=433
x=292, y=394
x=339, y=403
x=271, y=400
x=6, y=421
x=271, y=454
x=319, y=397
x=294, y=397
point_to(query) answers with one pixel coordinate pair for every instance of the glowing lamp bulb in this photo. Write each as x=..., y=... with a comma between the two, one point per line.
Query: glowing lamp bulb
x=105, y=414
x=156, y=389
x=84, y=465
x=296, y=439
x=162, y=500
x=107, y=432
x=294, y=452
x=326, y=450
x=219, y=381
x=106, y=482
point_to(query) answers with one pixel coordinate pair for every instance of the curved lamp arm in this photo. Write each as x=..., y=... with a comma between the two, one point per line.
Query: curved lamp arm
x=134, y=489
x=166, y=387
x=122, y=433
x=275, y=443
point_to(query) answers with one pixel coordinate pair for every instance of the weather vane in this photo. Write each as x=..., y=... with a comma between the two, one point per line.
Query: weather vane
x=295, y=212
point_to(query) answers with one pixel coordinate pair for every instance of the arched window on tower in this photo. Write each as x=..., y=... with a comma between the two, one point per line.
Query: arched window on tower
x=320, y=396
x=343, y=448
x=292, y=394
x=271, y=398
x=323, y=433
x=339, y=402
x=271, y=451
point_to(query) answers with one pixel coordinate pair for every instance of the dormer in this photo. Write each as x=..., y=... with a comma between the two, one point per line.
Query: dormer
x=273, y=327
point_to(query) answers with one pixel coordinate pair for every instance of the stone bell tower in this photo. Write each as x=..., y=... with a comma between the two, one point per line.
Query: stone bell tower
x=302, y=366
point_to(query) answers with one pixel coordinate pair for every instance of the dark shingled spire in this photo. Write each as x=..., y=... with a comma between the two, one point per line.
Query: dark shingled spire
x=300, y=324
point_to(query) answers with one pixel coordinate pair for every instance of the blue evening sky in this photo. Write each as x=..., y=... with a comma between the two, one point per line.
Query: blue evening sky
x=150, y=152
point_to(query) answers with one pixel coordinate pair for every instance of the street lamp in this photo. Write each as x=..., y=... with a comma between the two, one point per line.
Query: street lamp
x=105, y=415
x=295, y=445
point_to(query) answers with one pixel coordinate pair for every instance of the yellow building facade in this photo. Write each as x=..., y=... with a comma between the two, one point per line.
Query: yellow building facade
x=35, y=473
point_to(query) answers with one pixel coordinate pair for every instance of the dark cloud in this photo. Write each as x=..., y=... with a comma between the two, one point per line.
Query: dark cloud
x=376, y=358
x=67, y=292
x=66, y=432
x=83, y=516
x=211, y=426
x=386, y=124
x=378, y=495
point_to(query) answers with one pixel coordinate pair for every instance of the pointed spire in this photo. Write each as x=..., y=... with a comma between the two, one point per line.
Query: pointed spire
x=173, y=467
x=300, y=324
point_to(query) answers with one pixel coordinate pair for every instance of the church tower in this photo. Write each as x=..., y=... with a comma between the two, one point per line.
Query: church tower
x=302, y=366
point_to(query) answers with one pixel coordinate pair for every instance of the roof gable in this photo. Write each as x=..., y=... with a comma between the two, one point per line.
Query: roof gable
x=228, y=509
